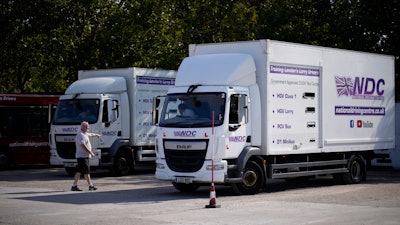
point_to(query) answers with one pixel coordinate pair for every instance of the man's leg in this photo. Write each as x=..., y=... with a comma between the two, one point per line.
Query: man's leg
x=87, y=177
x=76, y=178
x=89, y=181
x=75, y=185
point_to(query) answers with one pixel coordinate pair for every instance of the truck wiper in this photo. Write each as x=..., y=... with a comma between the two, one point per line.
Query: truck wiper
x=192, y=88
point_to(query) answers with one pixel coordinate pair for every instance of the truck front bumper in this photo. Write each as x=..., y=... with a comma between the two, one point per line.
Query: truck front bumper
x=204, y=175
x=55, y=160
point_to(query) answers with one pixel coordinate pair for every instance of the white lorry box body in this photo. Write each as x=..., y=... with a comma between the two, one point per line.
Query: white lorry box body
x=281, y=110
x=345, y=96
x=121, y=101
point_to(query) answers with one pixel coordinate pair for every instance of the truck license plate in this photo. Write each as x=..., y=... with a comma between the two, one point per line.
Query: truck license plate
x=185, y=180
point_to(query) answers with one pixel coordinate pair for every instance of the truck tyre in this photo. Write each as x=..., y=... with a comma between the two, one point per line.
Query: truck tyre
x=123, y=163
x=70, y=170
x=252, y=179
x=357, y=170
x=186, y=188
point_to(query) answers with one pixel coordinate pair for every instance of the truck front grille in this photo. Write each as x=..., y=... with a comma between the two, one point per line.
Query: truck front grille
x=183, y=160
x=66, y=150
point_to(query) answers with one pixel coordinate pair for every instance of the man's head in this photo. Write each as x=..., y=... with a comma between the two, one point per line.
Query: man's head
x=84, y=126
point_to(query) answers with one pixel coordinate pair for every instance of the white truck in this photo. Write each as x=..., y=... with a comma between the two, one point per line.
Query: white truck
x=117, y=103
x=269, y=109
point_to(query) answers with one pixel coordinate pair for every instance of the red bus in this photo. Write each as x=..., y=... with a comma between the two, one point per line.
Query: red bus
x=24, y=128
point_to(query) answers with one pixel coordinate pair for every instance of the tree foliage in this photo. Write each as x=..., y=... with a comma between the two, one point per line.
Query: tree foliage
x=45, y=42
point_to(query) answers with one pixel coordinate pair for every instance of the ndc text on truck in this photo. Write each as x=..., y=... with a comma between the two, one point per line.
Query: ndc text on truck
x=268, y=109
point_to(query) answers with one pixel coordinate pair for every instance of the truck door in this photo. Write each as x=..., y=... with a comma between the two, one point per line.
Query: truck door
x=238, y=124
x=111, y=121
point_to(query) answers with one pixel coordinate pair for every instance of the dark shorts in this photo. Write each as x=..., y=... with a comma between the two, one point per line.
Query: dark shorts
x=83, y=166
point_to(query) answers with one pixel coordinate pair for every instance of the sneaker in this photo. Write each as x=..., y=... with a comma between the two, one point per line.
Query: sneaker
x=92, y=188
x=75, y=188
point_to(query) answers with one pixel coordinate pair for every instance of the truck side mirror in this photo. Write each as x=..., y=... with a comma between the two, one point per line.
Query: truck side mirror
x=156, y=109
x=110, y=112
x=238, y=111
x=50, y=113
x=243, y=109
x=156, y=103
x=113, y=111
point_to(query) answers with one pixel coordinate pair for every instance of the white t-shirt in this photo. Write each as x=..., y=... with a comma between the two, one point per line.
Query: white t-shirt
x=82, y=138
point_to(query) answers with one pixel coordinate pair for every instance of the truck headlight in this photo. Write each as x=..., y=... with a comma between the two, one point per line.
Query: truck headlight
x=216, y=167
x=160, y=166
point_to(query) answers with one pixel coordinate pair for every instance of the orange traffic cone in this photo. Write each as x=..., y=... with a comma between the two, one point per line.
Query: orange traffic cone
x=213, y=198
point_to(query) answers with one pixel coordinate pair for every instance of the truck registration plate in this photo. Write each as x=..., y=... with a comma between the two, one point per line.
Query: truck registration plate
x=186, y=180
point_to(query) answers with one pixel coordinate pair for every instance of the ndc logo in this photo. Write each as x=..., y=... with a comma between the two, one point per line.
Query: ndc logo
x=360, y=87
x=184, y=133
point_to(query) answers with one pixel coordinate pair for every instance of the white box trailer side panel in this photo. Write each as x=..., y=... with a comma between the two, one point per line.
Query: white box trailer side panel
x=358, y=101
x=309, y=107
x=293, y=109
x=147, y=88
x=292, y=99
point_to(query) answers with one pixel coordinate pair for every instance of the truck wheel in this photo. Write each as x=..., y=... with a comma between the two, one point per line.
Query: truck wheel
x=357, y=170
x=186, y=188
x=70, y=170
x=123, y=163
x=252, y=180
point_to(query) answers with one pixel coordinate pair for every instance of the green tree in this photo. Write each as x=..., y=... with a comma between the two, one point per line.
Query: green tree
x=24, y=43
x=176, y=24
x=45, y=42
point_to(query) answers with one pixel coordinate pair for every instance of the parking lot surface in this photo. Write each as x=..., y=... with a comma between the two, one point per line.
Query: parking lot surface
x=41, y=195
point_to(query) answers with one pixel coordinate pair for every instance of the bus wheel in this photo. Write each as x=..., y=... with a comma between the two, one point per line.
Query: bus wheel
x=186, y=188
x=357, y=170
x=123, y=162
x=252, y=179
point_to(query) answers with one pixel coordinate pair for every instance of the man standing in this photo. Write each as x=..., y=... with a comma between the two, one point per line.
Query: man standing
x=83, y=153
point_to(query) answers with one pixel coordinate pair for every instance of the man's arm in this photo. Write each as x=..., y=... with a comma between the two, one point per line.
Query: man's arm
x=94, y=135
x=87, y=149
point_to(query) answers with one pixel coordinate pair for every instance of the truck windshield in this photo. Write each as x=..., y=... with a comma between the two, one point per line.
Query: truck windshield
x=193, y=110
x=74, y=111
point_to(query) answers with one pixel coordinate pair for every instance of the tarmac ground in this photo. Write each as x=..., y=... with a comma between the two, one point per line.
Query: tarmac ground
x=41, y=195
